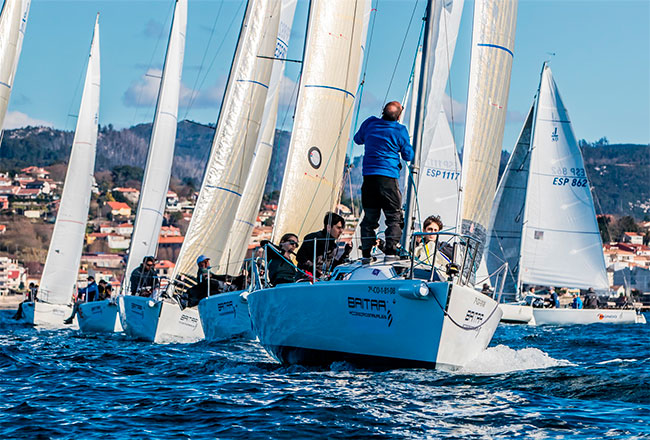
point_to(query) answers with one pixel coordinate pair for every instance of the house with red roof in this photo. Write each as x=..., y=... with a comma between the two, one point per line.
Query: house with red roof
x=119, y=209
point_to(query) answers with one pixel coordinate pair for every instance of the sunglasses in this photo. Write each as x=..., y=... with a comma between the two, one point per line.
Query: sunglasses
x=293, y=242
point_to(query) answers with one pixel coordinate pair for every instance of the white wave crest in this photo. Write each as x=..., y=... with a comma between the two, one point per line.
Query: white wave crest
x=503, y=359
x=617, y=360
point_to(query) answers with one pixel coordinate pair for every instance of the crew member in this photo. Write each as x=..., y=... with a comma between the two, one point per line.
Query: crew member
x=327, y=254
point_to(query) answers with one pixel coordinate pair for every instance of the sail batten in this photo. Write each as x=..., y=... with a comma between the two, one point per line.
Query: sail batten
x=64, y=254
x=235, y=138
x=153, y=196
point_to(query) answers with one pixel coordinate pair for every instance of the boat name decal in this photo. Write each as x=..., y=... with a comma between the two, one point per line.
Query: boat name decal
x=479, y=302
x=226, y=308
x=136, y=309
x=188, y=320
x=369, y=308
x=474, y=317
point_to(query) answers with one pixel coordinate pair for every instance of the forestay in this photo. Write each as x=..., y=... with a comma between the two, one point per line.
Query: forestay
x=321, y=130
x=13, y=21
x=153, y=197
x=561, y=244
x=235, y=250
x=63, y=257
x=235, y=138
x=491, y=62
x=507, y=218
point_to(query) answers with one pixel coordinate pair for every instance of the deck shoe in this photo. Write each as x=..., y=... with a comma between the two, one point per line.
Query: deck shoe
x=68, y=321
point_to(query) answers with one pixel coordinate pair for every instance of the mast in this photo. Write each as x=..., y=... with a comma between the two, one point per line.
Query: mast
x=430, y=39
x=531, y=147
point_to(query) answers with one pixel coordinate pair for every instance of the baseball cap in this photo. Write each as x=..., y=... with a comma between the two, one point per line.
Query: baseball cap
x=201, y=259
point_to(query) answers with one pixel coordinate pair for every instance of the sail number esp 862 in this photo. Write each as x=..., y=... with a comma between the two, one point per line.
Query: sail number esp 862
x=569, y=177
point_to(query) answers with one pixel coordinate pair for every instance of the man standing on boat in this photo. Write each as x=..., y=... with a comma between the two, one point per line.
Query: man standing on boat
x=385, y=141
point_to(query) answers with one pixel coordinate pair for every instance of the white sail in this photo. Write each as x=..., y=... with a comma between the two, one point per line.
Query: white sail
x=13, y=21
x=491, y=63
x=63, y=257
x=561, y=244
x=440, y=175
x=235, y=138
x=331, y=69
x=235, y=250
x=507, y=218
x=153, y=196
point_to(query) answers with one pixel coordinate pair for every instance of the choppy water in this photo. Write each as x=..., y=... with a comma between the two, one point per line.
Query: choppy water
x=533, y=382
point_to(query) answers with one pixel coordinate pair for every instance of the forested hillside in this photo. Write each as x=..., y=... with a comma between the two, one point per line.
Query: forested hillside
x=619, y=173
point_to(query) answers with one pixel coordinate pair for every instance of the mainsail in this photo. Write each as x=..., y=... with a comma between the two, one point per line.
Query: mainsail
x=13, y=21
x=561, y=241
x=331, y=69
x=151, y=206
x=63, y=257
x=235, y=249
x=235, y=138
x=491, y=63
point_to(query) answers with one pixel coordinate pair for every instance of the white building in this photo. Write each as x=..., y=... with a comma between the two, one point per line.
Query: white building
x=11, y=275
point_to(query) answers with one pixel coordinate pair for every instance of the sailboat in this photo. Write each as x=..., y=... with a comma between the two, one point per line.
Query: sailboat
x=233, y=146
x=226, y=315
x=102, y=316
x=13, y=21
x=59, y=278
x=544, y=223
x=369, y=314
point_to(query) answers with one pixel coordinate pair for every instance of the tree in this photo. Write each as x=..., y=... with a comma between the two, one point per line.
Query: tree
x=603, y=227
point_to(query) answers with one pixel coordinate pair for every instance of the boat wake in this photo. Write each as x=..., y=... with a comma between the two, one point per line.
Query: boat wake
x=503, y=359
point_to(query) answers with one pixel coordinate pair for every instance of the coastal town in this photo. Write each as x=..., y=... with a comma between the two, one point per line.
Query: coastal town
x=29, y=200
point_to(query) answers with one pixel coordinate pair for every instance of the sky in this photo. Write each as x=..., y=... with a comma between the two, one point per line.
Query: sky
x=601, y=63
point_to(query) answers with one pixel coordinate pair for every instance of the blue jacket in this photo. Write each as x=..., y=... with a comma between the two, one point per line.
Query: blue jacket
x=577, y=303
x=91, y=291
x=385, y=141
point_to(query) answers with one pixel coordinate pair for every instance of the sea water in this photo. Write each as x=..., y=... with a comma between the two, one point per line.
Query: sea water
x=533, y=382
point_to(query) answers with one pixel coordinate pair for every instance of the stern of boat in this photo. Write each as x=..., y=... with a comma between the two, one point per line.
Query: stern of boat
x=139, y=316
x=225, y=316
x=99, y=317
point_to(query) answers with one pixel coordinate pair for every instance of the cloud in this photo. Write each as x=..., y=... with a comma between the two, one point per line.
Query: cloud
x=143, y=92
x=17, y=119
x=153, y=29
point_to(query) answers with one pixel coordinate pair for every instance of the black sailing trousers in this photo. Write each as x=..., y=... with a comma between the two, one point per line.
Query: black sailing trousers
x=381, y=193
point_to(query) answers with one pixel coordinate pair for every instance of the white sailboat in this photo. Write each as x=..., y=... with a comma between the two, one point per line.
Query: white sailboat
x=369, y=314
x=232, y=150
x=226, y=315
x=62, y=265
x=102, y=316
x=545, y=224
x=13, y=21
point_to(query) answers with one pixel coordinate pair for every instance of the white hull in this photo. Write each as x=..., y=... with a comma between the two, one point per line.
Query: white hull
x=99, y=317
x=514, y=313
x=225, y=316
x=48, y=315
x=586, y=316
x=159, y=321
x=376, y=323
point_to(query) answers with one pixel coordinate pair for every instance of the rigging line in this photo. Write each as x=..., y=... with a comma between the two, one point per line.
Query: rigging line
x=153, y=54
x=205, y=53
x=399, y=55
x=216, y=53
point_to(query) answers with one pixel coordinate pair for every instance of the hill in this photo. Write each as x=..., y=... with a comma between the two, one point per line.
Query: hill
x=619, y=173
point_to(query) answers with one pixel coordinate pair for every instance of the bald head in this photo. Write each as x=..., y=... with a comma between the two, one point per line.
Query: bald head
x=392, y=111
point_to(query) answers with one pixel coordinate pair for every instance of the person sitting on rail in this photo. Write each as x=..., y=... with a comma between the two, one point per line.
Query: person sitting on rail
x=208, y=283
x=281, y=266
x=144, y=278
x=326, y=250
